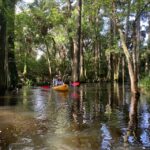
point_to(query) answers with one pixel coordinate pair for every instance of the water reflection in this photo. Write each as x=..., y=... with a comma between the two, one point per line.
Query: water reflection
x=39, y=104
x=91, y=117
x=8, y=100
x=131, y=133
x=145, y=122
x=106, y=137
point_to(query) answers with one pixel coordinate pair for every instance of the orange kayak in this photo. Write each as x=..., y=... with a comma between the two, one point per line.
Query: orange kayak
x=63, y=87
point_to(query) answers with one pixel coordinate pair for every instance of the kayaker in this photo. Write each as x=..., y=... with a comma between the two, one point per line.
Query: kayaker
x=57, y=81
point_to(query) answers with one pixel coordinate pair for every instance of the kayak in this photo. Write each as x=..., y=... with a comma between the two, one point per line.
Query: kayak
x=63, y=87
x=75, y=83
x=45, y=86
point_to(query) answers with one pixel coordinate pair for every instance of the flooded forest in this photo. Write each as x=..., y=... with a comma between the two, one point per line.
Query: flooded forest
x=74, y=75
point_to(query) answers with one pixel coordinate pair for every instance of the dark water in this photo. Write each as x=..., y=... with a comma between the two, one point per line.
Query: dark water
x=89, y=117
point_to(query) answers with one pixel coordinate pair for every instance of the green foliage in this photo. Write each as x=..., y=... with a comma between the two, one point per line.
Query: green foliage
x=113, y=49
x=89, y=65
x=36, y=68
x=49, y=25
x=62, y=66
x=145, y=82
x=60, y=35
x=103, y=68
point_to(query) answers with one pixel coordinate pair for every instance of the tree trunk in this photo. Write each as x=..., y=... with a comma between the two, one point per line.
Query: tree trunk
x=11, y=56
x=80, y=40
x=137, y=42
x=74, y=45
x=116, y=66
x=96, y=22
x=135, y=52
x=69, y=7
x=123, y=69
x=111, y=45
x=3, y=50
x=48, y=59
x=82, y=77
x=127, y=22
x=134, y=83
x=75, y=61
x=131, y=68
x=25, y=65
x=110, y=67
x=77, y=46
x=96, y=57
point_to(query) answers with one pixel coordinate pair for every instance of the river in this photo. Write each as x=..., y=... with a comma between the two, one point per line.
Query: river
x=89, y=117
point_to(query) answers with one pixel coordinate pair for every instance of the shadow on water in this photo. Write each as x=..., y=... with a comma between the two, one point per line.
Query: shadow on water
x=9, y=100
x=89, y=117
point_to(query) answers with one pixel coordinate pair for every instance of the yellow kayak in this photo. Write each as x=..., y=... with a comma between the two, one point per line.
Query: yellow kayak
x=63, y=87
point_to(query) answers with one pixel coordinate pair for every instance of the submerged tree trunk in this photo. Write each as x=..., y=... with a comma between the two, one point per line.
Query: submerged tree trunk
x=136, y=48
x=82, y=77
x=80, y=40
x=13, y=74
x=133, y=81
x=132, y=74
x=75, y=62
x=3, y=50
x=96, y=48
x=77, y=46
x=74, y=49
x=79, y=34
